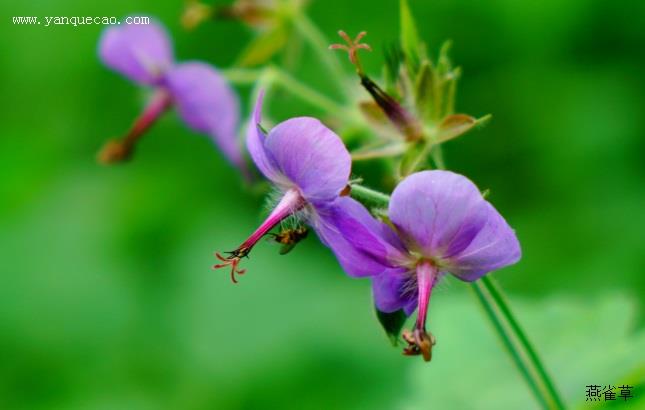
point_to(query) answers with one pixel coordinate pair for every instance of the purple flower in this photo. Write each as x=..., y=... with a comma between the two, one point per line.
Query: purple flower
x=203, y=98
x=307, y=163
x=440, y=223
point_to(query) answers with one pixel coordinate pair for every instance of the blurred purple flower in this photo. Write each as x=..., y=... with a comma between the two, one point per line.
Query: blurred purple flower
x=440, y=223
x=204, y=100
x=307, y=163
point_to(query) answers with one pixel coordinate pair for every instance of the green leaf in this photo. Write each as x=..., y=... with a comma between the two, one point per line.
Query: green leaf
x=410, y=42
x=392, y=323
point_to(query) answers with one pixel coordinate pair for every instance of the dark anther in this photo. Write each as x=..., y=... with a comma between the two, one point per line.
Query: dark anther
x=419, y=343
x=232, y=260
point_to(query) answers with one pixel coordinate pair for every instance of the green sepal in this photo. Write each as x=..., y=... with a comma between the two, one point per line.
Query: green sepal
x=392, y=323
x=415, y=157
x=264, y=130
x=410, y=43
x=424, y=89
x=393, y=58
x=458, y=124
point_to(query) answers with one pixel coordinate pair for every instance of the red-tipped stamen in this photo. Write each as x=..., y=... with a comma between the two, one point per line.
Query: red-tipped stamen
x=121, y=149
x=352, y=48
x=291, y=202
x=232, y=262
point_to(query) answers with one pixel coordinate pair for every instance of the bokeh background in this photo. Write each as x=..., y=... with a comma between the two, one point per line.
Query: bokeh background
x=107, y=299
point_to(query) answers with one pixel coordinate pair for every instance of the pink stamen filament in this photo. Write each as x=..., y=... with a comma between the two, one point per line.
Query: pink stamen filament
x=426, y=277
x=291, y=202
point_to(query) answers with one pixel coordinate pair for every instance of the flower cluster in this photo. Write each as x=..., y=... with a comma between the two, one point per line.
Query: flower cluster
x=202, y=96
x=439, y=221
x=436, y=223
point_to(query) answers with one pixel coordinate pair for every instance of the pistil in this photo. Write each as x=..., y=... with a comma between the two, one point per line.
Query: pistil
x=291, y=202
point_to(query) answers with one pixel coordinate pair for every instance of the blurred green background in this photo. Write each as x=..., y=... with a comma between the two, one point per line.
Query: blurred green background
x=107, y=299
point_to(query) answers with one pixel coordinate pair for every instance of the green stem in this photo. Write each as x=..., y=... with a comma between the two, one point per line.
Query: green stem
x=524, y=354
x=499, y=312
x=242, y=76
x=369, y=196
x=272, y=75
x=320, y=45
x=306, y=93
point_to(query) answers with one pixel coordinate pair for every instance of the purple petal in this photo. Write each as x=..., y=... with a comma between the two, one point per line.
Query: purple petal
x=140, y=52
x=208, y=104
x=365, y=233
x=255, y=140
x=312, y=156
x=395, y=289
x=435, y=210
x=444, y=216
x=330, y=227
x=494, y=247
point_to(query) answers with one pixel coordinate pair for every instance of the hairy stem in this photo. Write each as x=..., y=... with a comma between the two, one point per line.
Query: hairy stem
x=499, y=312
x=369, y=196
